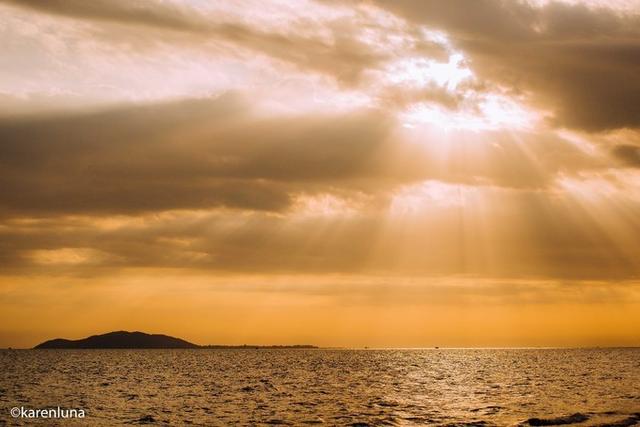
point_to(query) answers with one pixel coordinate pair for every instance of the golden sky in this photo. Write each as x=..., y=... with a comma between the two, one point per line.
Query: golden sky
x=344, y=173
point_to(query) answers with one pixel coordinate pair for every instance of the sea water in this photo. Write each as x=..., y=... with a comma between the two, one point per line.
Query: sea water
x=211, y=387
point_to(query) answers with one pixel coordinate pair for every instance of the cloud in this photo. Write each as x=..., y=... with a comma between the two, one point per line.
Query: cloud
x=489, y=232
x=216, y=152
x=581, y=62
x=179, y=155
x=628, y=154
x=340, y=52
x=154, y=15
x=578, y=61
x=218, y=184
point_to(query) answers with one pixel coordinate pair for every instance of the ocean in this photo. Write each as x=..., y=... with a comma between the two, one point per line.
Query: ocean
x=227, y=387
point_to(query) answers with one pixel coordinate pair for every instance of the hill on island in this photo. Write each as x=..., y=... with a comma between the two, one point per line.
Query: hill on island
x=139, y=340
x=120, y=339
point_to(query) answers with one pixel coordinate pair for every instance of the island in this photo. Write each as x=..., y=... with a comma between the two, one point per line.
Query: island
x=141, y=340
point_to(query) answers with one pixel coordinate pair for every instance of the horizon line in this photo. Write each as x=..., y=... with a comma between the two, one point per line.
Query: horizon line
x=317, y=347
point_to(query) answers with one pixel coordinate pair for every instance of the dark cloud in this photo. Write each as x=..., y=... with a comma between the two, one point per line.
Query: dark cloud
x=582, y=62
x=561, y=242
x=140, y=13
x=628, y=154
x=213, y=152
x=181, y=155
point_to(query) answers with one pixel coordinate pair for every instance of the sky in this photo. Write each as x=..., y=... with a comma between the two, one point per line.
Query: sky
x=384, y=173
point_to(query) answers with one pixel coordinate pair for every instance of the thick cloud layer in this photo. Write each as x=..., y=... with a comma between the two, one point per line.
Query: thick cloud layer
x=213, y=152
x=302, y=193
x=180, y=155
x=357, y=170
x=581, y=62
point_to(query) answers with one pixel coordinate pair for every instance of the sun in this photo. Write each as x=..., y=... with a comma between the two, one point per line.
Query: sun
x=445, y=95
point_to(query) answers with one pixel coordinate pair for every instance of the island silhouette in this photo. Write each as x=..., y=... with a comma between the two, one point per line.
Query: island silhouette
x=140, y=340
